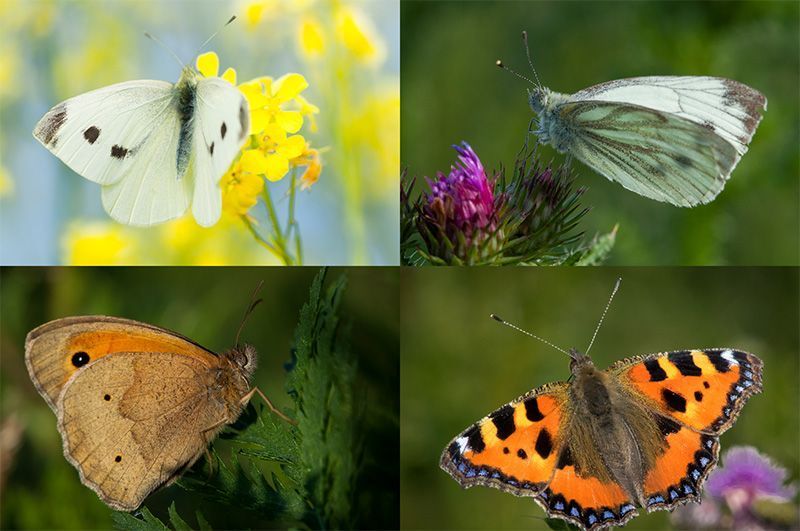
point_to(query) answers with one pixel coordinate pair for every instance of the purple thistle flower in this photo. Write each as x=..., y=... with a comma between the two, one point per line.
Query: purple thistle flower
x=747, y=475
x=464, y=196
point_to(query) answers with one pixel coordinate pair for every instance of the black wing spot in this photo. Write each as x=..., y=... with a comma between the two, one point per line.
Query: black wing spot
x=475, y=439
x=565, y=459
x=503, y=420
x=685, y=364
x=505, y=449
x=107, y=398
x=119, y=152
x=657, y=374
x=674, y=401
x=532, y=410
x=521, y=454
x=684, y=161
x=118, y=458
x=544, y=444
x=698, y=396
x=91, y=134
x=81, y=358
x=223, y=130
x=211, y=149
x=667, y=426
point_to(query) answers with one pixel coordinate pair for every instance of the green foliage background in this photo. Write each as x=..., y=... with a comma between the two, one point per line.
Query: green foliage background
x=207, y=304
x=458, y=365
x=452, y=91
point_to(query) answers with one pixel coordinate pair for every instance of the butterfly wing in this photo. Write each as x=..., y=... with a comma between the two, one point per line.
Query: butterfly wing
x=658, y=155
x=695, y=396
x=121, y=136
x=521, y=448
x=57, y=350
x=221, y=125
x=128, y=429
x=729, y=109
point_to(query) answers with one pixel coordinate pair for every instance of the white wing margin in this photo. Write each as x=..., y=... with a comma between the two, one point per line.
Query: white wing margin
x=730, y=109
x=654, y=154
x=221, y=125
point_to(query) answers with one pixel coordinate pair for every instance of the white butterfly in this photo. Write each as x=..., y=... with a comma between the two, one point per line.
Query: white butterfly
x=154, y=147
x=672, y=139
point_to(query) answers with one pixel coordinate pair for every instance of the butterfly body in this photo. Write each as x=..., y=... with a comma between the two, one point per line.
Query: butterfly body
x=642, y=433
x=156, y=148
x=136, y=404
x=669, y=138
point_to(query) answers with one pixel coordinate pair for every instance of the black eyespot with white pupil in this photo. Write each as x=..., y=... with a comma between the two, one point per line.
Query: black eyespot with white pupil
x=80, y=358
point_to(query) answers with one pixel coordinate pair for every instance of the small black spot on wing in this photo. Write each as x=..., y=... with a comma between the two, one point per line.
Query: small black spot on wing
x=522, y=454
x=684, y=161
x=222, y=130
x=565, y=459
x=81, y=358
x=211, y=149
x=119, y=152
x=698, y=396
x=91, y=134
x=674, y=401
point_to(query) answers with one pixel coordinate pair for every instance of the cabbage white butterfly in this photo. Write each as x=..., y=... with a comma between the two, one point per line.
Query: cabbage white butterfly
x=675, y=139
x=154, y=147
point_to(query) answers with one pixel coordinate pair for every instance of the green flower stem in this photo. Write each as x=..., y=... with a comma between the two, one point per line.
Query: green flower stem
x=292, y=223
x=277, y=251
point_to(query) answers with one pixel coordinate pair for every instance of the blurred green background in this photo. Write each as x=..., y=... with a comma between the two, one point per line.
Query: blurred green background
x=452, y=91
x=205, y=304
x=458, y=365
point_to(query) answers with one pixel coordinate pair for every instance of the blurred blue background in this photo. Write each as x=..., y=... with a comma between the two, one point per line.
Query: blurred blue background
x=452, y=91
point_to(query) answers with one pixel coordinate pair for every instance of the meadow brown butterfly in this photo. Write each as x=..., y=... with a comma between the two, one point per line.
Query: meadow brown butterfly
x=136, y=404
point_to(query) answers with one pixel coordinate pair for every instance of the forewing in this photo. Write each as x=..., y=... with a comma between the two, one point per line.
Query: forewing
x=98, y=134
x=133, y=423
x=51, y=347
x=655, y=154
x=730, y=109
x=701, y=389
x=221, y=124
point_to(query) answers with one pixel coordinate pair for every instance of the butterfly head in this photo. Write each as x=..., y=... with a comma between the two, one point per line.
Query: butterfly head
x=538, y=98
x=579, y=362
x=244, y=358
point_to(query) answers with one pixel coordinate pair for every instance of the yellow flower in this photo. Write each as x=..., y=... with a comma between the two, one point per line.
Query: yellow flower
x=208, y=65
x=240, y=190
x=272, y=156
x=310, y=37
x=308, y=109
x=359, y=37
x=266, y=97
x=311, y=160
x=97, y=243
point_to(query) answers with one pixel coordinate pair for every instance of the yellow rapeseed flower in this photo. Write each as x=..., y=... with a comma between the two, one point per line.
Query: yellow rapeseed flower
x=311, y=38
x=311, y=160
x=308, y=109
x=240, y=190
x=208, y=65
x=266, y=98
x=272, y=156
x=358, y=35
x=97, y=243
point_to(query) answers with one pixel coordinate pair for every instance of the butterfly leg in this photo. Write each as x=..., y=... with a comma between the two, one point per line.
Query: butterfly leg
x=246, y=398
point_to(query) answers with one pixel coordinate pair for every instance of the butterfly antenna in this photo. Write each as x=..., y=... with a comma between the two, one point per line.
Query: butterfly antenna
x=518, y=329
x=215, y=34
x=611, y=298
x=252, y=306
x=528, y=55
x=502, y=66
x=167, y=48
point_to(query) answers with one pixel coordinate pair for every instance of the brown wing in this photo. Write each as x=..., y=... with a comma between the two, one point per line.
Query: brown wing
x=132, y=423
x=56, y=350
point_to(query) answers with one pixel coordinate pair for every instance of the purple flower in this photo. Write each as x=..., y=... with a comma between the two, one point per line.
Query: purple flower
x=747, y=475
x=464, y=197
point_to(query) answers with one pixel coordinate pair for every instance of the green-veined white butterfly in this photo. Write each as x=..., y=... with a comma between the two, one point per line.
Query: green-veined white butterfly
x=154, y=147
x=674, y=139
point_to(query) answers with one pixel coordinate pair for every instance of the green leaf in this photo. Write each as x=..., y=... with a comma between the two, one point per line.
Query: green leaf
x=143, y=521
x=598, y=249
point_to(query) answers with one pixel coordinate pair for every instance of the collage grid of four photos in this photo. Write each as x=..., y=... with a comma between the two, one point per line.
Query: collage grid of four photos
x=399, y=264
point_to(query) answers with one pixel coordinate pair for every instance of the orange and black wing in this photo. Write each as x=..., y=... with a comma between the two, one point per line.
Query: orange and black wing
x=695, y=396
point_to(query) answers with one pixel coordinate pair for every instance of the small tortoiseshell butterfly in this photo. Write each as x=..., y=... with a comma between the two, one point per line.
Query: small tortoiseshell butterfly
x=642, y=433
